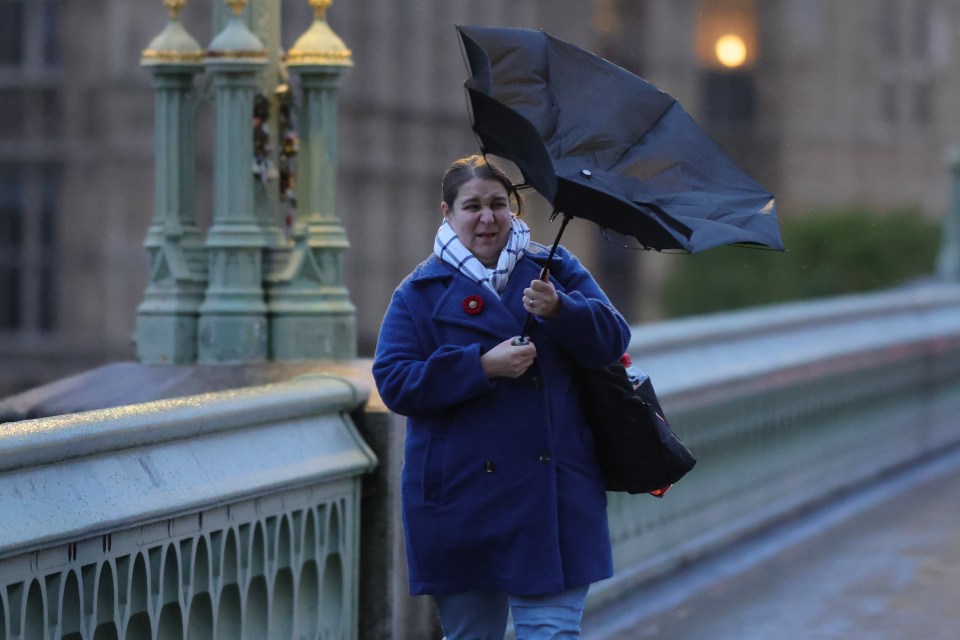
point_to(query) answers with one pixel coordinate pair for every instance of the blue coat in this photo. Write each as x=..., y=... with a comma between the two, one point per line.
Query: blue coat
x=500, y=485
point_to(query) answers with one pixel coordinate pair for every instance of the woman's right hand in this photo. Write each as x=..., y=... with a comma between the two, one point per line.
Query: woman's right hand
x=508, y=360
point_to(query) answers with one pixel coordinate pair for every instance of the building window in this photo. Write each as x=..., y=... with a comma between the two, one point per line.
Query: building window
x=922, y=29
x=11, y=239
x=28, y=208
x=727, y=49
x=51, y=33
x=923, y=102
x=729, y=98
x=907, y=68
x=39, y=19
x=29, y=182
x=11, y=113
x=889, y=28
x=889, y=102
x=11, y=32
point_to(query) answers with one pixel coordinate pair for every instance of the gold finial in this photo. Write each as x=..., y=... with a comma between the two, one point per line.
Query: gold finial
x=319, y=45
x=237, y=6
x=174, y=7
x=236, y=42
x=173, y=45
x=320, y=8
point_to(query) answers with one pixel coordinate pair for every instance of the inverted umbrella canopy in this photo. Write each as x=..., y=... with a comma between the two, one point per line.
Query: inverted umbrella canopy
x=602, y=144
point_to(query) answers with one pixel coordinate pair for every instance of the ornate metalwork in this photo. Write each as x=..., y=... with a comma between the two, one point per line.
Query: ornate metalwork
x=174, y=6
x=172, y=56
x=233, y=317
x=166, y=329
x=173, y=45
x=271, y=568
x=320, y=45
x=228, y=515
x=237, y=6
x=320, y=8
x=267, y=291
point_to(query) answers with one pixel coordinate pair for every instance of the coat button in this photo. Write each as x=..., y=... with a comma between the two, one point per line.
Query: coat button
x=489, y=466
x=535, y=381
x=545, y=458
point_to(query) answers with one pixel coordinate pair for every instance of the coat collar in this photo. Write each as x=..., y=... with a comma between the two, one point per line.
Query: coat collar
x=502, y=316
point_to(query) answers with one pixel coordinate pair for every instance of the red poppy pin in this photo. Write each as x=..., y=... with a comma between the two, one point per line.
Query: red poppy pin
x=472, y=305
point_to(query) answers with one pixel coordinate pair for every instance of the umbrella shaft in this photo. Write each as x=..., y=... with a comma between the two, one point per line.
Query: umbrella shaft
x=545, y=272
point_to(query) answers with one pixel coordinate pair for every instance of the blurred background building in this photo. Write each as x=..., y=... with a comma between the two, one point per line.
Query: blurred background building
x=827, y=104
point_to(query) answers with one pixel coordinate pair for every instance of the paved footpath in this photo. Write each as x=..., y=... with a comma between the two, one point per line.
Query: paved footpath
x=882, y=564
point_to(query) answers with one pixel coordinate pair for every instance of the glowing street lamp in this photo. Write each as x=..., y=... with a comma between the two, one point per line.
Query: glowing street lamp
x=731, y=51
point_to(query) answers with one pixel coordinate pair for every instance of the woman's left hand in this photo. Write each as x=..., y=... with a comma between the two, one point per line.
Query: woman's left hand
x=541, y=299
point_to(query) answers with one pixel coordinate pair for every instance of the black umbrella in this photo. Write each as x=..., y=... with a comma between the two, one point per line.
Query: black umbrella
x=602, y=144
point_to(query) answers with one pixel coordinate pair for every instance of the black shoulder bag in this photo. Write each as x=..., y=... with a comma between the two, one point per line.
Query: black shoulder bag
x=636, y=449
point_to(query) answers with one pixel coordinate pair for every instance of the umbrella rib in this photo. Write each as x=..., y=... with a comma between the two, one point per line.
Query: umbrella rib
x=630, y=147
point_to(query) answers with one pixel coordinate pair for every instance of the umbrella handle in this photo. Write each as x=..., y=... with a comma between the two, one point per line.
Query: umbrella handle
x=523, y=338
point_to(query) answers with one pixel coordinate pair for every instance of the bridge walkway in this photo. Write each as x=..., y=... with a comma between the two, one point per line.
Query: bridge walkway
x=882, y=563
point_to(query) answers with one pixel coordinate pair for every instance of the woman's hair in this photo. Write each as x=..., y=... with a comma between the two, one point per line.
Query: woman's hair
x=475, y=166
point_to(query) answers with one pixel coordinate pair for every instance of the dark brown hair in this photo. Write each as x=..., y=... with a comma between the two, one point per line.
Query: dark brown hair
x=475, y=166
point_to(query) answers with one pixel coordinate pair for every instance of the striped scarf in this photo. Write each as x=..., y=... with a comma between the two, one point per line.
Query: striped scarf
x=448, y=248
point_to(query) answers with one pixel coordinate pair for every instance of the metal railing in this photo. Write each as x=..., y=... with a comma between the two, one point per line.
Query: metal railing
x=784, y=407
x=225, y=515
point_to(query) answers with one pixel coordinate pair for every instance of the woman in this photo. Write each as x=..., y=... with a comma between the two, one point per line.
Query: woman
x=503, y=503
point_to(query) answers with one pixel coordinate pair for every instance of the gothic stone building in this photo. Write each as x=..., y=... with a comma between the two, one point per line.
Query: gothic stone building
x=826, y=103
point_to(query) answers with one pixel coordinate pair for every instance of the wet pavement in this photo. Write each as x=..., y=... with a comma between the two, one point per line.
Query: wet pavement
x=878, y=564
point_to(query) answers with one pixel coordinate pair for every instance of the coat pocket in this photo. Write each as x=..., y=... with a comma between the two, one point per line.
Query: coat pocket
x=433, y=470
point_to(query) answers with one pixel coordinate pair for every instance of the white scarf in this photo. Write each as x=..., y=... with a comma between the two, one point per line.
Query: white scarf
x=448, y=248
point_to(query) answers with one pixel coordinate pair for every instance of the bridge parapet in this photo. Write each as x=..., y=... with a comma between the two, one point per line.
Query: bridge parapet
x=230, y=514
x=784, y=407
x=235, y=514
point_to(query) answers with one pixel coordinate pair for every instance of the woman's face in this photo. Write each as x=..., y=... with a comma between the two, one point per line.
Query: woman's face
x=480, y=217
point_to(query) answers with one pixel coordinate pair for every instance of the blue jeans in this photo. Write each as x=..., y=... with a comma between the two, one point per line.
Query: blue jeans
x=482, y=615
